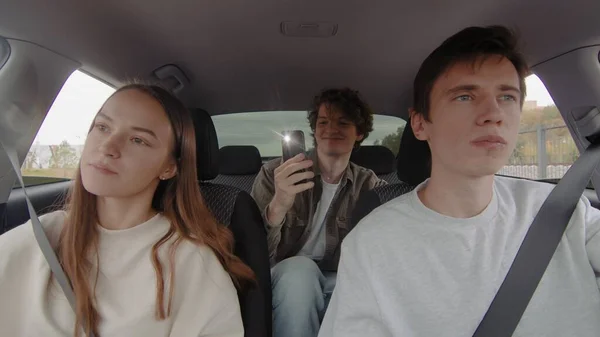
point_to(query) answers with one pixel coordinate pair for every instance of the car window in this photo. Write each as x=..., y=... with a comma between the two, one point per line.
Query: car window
x=55, y=152
x=545, y=149
x=263, y=130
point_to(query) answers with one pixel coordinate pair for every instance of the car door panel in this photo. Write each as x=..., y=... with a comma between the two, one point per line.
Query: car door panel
x=44, y=198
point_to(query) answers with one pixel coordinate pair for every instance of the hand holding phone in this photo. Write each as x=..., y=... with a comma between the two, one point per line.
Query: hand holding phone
x=293, y=176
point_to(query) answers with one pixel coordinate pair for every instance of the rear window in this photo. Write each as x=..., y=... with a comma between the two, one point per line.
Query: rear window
x=262, y=129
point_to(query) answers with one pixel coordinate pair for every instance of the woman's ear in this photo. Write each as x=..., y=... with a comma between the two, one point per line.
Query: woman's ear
x=170, y=172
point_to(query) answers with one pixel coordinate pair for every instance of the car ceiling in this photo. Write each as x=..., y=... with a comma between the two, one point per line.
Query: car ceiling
x=238, y=60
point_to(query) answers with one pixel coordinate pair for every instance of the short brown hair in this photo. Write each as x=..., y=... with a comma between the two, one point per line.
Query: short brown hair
x=470, y=44
x=350, y=104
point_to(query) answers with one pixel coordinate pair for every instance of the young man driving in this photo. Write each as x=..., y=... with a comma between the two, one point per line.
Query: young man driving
x=430, y=262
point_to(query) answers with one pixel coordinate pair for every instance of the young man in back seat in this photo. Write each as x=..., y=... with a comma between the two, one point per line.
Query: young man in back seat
x=306, y=222
x=430, y=262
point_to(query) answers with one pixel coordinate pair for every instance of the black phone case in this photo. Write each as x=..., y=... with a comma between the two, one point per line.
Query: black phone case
x=293, y=147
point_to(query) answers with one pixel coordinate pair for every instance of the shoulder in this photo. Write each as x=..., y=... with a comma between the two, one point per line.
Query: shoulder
x=529, y=196
x=267, y=171
x=522, y=186
x=202, y=277
x=387, y=219
x=200, y=261
x=522, y=196
x=522, y=191
x=364, y=176
x=271, y=165
x=361, y=170
x=263, y=185
x=205, y=299
x=386, y=230
x=19, y=246
x=51, y=222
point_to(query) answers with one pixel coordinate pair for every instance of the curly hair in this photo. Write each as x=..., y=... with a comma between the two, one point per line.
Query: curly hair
x=350, y=104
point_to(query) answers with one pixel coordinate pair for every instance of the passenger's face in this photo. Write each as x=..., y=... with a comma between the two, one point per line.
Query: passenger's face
x=335, y=134
x=128, y=148
x=474, y=117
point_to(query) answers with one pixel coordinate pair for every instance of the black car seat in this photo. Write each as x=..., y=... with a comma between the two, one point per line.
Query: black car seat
x=412, y=167
x=378, y=158
x=236, y=209
x=238, y=166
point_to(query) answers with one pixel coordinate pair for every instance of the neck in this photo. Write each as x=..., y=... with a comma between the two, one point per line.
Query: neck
x=332, y=167
x=124, y=213
x=455, y=195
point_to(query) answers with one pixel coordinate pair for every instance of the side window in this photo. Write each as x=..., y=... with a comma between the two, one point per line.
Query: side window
x=55, y=152
x=263, y=128
x=545, y=148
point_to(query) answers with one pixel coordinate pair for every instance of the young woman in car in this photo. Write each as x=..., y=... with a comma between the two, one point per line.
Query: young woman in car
x=141, y=250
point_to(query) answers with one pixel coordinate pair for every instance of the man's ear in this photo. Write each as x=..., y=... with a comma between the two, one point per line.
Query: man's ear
x=360, y=137
x=417, y=123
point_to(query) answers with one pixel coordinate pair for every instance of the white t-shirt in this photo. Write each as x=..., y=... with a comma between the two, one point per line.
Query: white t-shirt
x=409, y=271
x=205, y=301
x=316, y=243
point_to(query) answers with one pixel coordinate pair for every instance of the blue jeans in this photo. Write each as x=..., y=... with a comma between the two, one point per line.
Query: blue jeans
x=301, y=294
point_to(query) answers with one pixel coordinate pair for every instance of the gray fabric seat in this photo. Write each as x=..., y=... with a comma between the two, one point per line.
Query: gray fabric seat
x=238, y=166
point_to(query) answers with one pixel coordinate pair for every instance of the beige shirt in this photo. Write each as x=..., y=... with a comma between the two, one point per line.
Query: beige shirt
x=205, y=301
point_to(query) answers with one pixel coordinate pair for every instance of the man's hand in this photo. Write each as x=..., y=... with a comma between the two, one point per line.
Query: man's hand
x=287, y=176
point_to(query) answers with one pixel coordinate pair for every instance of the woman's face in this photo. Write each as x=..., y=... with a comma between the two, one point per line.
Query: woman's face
x=129, y=148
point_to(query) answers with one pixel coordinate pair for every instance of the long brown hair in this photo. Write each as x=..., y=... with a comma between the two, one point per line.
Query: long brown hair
x=180, y=201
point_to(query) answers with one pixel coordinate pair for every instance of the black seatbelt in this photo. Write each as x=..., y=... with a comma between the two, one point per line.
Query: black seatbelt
x=40, y=234
x=537, y=249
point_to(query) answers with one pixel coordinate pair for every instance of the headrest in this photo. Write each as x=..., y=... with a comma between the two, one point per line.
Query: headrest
x=238, y=160
x=378, y=158
x=414, y=158
x=207, y=145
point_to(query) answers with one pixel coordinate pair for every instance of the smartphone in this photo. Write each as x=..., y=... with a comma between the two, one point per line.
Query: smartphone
x=292, y=144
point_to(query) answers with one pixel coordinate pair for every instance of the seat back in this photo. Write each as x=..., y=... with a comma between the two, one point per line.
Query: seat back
x=412, y=168
x=378, y=158
x=238, y=166
x=237, y=210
